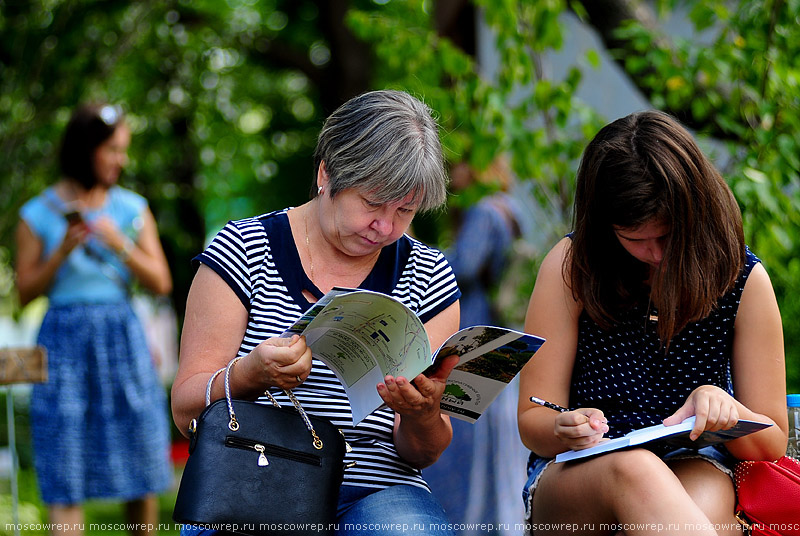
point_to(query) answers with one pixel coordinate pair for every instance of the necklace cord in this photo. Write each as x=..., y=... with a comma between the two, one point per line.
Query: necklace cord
x=308, y=244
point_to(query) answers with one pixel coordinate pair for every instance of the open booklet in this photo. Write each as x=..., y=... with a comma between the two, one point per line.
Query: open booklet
x=362, y=336
x=675, y=436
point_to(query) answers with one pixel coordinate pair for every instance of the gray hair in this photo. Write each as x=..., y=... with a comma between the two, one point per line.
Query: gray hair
x=385, y=143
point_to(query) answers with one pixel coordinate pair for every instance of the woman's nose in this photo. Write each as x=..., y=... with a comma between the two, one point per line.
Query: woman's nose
x=657, y=252
x=382, y=225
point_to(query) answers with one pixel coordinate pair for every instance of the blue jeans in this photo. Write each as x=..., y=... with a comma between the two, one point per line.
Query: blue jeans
x=395, y=510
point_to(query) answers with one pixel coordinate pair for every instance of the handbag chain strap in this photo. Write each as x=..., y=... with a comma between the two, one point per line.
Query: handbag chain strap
x=234, y=424
x=210, y=381
x=747, y=528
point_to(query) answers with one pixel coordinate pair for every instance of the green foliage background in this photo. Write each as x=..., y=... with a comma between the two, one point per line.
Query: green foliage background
x=226, y=98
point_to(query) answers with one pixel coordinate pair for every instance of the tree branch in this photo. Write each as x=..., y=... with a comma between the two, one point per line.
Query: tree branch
x=607, y=16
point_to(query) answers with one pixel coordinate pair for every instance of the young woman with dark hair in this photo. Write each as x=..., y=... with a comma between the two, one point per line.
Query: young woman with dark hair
x=654, y=310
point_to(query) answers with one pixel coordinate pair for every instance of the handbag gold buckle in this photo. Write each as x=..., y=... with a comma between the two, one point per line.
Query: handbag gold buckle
x=317, y=440
x=233, y=424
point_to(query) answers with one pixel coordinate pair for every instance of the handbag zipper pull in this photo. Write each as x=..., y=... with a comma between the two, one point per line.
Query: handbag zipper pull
x=262, y=459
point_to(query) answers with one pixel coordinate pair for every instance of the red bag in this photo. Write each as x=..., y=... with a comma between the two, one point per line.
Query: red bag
x=768, y=497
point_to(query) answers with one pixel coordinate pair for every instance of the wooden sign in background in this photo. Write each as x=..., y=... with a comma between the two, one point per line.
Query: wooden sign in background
x=23, y=365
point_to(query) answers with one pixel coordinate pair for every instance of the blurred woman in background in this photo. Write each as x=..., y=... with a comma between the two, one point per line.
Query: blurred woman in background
x=99, y=424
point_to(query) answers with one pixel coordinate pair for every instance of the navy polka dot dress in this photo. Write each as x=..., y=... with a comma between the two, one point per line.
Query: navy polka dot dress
x=626, y=373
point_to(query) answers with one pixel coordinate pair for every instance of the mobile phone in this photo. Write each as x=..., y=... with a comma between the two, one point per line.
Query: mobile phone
x=73, y=217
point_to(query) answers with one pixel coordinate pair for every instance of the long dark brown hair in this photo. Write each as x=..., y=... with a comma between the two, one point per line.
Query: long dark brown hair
x=647, y=168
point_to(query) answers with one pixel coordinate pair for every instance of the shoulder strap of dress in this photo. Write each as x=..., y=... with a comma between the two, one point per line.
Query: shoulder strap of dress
x=53, y=202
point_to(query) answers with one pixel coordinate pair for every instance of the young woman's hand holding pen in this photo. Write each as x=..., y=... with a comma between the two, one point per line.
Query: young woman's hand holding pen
x=577, y=429
x=581, y=428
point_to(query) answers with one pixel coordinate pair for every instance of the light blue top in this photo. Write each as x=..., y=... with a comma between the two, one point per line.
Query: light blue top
x=793, y=400
x=92, y=273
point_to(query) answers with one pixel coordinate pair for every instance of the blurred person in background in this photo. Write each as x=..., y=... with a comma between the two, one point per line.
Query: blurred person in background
x=478, y=477
x=99, y=424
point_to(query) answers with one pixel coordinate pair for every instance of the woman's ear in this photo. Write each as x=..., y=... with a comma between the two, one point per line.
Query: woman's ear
x=322, y=178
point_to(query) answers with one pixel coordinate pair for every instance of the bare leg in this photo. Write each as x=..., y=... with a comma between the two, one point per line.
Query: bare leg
x=67, y=520
x=631, y=492
x=711, y=490
x=142, y=514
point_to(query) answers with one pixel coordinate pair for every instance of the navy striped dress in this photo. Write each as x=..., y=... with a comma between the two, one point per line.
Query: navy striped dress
x=258, y=258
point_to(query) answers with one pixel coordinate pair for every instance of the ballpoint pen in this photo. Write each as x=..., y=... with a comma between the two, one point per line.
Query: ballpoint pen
x=545, y=403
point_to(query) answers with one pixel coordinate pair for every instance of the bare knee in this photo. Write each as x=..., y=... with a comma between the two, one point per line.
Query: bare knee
x=711, y=489
x=605, y=489
x=637, y=469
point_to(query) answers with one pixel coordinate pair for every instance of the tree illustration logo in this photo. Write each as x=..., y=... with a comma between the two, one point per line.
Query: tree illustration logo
x=455, y=391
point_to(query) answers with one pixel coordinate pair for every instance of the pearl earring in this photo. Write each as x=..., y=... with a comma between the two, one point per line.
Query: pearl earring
x=319, y=190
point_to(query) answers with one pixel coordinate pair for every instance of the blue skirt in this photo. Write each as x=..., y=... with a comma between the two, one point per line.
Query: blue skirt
x=99, y=424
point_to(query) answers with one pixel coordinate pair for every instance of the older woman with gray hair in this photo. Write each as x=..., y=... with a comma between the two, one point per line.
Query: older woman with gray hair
x=378, y=162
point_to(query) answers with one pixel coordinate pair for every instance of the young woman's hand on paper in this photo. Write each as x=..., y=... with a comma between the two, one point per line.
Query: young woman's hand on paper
x=714, y=410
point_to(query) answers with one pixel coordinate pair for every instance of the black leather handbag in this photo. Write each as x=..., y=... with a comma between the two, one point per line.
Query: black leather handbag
x=257, y=469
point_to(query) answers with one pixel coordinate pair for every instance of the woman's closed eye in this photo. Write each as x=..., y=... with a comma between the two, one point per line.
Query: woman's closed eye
x=372, y=205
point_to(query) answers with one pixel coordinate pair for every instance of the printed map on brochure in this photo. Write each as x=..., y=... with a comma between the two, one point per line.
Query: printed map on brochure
x=362, y=336
x=676, y=436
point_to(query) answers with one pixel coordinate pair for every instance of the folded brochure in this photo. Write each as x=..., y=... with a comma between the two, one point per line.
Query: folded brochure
x=676, y=436
x=362, y=336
